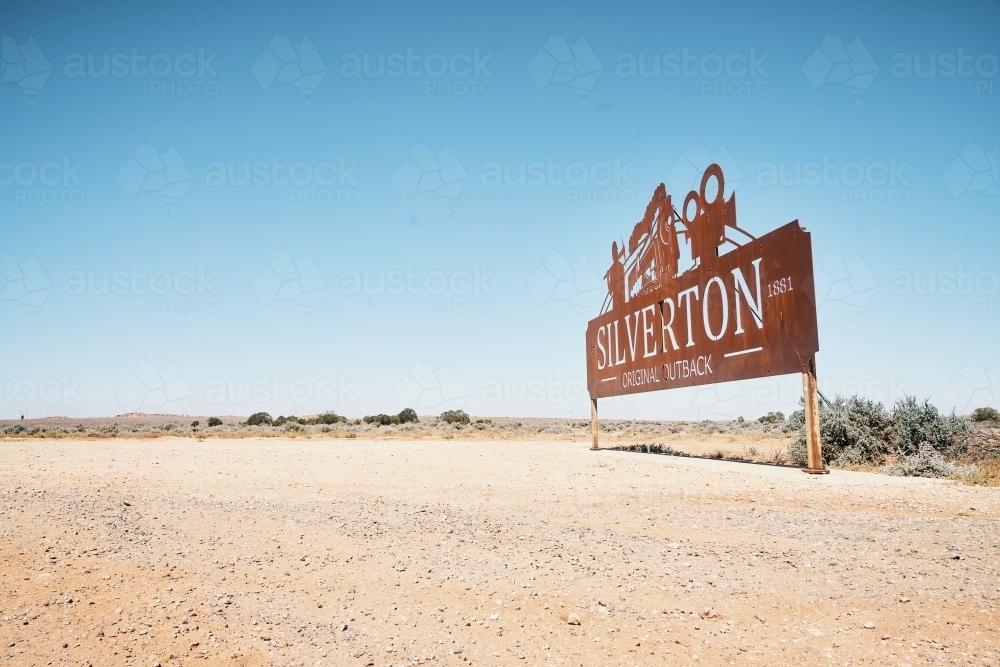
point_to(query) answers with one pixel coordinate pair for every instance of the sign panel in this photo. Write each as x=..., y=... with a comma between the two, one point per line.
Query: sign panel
x=743, y=308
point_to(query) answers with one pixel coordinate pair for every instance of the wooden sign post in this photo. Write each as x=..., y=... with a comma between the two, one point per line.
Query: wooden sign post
x=593, y=424
x=730, y=307
x=810, y=399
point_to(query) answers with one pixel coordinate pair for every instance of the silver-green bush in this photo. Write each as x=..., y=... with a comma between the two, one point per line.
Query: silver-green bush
x=918, y=423
x=859, y=431
x=853, y=431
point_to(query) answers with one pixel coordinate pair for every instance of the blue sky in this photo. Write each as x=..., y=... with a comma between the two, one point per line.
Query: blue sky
x=213, y=293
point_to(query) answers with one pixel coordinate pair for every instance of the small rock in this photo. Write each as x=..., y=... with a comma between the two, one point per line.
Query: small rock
x=494, y=617
x=869, y=626
x=903, y=598
x=573, y=619
x=885, y=637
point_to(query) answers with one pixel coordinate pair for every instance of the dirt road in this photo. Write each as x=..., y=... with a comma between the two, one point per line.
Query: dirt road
x=354, y=552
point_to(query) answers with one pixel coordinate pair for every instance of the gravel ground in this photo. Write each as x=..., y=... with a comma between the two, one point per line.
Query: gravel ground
x=273, y=551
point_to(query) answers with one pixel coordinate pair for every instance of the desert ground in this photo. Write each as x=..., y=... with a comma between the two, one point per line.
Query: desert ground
x=372, y=552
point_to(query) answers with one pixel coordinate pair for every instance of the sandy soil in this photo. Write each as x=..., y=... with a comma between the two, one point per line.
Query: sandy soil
x=175, y=551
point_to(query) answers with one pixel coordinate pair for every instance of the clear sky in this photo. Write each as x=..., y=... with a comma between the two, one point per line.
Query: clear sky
x=297, y=207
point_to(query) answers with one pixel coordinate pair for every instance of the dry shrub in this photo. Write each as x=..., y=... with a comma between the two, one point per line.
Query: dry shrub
x=778, y=457
x=926, y=462
x=982, y=443
x=653, y=448
x=981, y=448
x=986, y=473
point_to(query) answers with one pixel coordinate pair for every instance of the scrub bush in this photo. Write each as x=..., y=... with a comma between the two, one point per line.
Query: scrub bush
x=454, y=417
x=405, y=416
x=985, y=415
x=259, y=419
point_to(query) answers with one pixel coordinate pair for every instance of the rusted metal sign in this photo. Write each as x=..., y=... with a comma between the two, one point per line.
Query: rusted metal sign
x=693, y=299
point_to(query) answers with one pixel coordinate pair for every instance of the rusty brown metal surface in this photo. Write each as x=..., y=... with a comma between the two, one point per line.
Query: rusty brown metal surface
x=748, y=312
